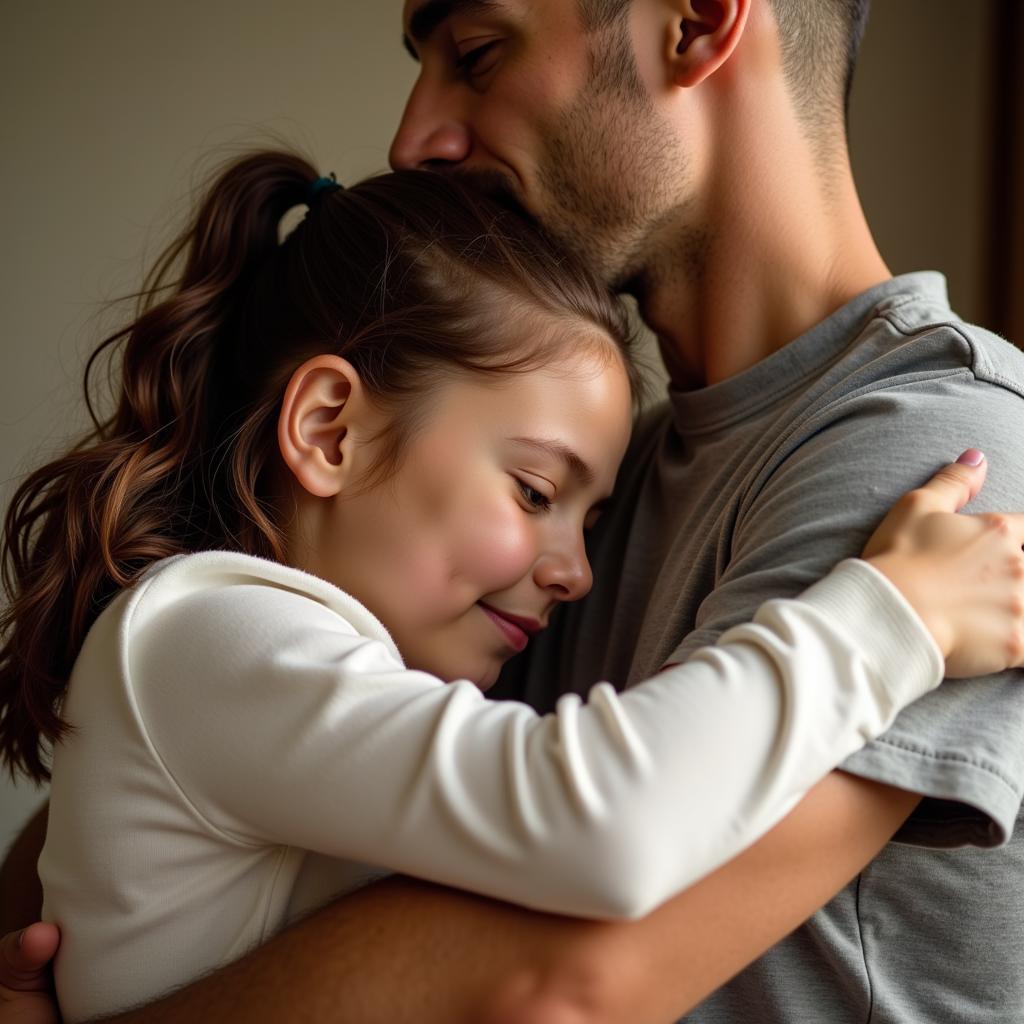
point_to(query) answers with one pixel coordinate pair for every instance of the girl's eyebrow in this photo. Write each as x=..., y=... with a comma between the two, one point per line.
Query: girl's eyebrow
x=426, y=19
x=561, y=451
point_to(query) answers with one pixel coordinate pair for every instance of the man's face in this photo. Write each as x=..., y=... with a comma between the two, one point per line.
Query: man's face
x=518, y=94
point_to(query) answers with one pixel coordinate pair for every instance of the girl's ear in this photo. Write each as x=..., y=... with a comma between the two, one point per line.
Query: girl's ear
x=324, y=419
x=704, y=36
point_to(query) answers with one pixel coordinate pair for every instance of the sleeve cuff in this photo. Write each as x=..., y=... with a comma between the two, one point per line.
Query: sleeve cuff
x=882, y=624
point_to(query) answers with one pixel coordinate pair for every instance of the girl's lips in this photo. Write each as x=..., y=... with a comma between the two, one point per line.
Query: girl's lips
x=514, y=629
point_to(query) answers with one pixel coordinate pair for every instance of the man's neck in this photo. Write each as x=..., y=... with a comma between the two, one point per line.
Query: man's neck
x=771, y=255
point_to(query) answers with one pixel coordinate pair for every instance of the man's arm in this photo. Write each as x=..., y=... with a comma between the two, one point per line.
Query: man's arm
x=404, y=950
x=960, y=746
x=26, y=995
x=21, y=895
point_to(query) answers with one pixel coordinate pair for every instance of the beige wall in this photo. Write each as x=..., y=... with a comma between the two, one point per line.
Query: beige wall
x=920, y=139
x=108, y=104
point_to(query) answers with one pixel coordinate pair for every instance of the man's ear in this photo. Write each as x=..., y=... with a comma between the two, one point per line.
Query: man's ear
x=325, y=415
x=705, y=35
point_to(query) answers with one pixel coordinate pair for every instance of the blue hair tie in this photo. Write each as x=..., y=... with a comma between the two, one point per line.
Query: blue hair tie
x=317, y=188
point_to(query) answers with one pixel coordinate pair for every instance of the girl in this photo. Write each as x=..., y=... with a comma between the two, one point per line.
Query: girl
x=347, y=477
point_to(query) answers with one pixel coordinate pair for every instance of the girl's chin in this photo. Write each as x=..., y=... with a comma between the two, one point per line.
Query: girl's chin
x=488, y=679
x=481, y=678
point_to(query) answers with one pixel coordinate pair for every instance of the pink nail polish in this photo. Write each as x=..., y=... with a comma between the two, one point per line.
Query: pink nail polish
x=971, y=457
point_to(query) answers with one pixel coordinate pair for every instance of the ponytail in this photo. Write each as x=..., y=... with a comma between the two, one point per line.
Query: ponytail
x=143, y=484
x=410, y=276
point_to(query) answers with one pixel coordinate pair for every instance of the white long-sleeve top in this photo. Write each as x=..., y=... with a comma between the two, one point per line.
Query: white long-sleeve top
x=248, y=743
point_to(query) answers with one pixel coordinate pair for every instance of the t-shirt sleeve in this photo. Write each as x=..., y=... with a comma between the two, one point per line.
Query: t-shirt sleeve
x=280, y=724
x=962, y=746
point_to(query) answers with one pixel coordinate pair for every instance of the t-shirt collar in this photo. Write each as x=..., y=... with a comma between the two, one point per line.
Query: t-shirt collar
x=790, y=367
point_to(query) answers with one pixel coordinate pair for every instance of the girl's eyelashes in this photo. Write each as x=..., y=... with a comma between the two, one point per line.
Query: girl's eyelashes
x=594, y=514
x=469, y=63
x=537, y=500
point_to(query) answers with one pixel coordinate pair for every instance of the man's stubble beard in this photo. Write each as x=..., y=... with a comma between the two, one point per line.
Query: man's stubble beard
x=614, y=180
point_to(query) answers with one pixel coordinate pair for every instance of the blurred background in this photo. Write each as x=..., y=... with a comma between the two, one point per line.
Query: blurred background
x=108, y=107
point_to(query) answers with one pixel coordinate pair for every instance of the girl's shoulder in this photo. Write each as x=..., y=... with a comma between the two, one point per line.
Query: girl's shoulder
x=231, y=584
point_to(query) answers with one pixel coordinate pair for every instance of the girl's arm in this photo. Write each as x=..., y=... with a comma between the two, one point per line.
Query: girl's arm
x=311, y=737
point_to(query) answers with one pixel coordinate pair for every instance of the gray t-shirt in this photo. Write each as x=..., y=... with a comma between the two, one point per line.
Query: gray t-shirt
x=753, y=488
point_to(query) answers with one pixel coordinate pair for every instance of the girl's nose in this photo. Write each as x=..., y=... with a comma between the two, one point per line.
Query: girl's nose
x=565, y=575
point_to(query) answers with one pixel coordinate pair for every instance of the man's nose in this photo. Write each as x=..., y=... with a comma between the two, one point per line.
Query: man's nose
x=429, y=135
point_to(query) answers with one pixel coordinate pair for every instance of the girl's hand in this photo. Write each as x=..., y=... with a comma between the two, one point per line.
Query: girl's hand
x=963, y=574
x=25, y=995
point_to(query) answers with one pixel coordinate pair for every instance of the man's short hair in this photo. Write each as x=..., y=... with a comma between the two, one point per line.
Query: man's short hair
x=598, y=14
x=820, y=41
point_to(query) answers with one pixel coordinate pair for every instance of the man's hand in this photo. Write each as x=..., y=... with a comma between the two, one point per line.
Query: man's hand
x=21, y=894
x=26, y=996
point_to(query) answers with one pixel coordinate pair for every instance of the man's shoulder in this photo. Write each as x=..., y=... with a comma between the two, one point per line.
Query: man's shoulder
x=917, y=370
x=923, y=335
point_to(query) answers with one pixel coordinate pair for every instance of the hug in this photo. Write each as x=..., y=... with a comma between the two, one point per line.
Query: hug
x=395, y=656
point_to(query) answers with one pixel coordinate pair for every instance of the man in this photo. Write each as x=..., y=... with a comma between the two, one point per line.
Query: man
x=695, y=152
x=704, y=169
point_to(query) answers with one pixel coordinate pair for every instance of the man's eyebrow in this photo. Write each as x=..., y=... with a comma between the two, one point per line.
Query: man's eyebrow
x=432, y=13
x=560, y=451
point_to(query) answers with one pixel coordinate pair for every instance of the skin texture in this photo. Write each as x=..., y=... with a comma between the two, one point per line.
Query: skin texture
x=25, y=995
x=595, y=165
x=484, y=515
x=735, y=228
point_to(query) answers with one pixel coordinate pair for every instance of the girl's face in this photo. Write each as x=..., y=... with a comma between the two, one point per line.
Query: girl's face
x=466, y=549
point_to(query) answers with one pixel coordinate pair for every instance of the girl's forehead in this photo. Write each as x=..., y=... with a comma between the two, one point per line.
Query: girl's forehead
x=575, y=410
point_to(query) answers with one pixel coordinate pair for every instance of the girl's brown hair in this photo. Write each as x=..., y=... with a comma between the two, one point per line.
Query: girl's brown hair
x=410, y=276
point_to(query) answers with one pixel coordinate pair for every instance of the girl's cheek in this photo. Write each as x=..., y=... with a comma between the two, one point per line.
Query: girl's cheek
x=503, y=541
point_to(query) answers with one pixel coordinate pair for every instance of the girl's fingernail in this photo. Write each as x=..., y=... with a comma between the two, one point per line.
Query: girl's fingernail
x=21, y=938
x=971, y=457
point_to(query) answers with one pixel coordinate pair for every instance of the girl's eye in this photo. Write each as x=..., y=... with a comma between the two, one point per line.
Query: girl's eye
x=534, y=498
x=468, y=64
